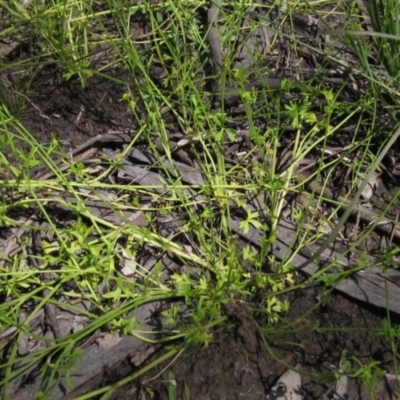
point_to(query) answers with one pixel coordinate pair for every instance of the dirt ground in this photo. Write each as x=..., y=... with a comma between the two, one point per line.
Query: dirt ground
x=72, y=114
x=236, y=363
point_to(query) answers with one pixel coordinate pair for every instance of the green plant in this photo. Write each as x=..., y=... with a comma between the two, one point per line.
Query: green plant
x=291, y=156
x=369, y=373
x=386, y=23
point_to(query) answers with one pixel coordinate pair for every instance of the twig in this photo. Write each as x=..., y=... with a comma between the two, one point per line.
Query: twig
x=34, y=106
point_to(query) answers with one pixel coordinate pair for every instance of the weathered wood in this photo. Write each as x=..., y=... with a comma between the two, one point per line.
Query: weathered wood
x=371, y=285
x=95, y=363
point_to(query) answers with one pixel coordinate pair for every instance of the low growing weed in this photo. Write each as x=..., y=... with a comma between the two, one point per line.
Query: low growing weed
x=87, y=230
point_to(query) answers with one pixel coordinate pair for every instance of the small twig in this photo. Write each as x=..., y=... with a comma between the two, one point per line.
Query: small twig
x=34, y=106
x=81, y=152
x=217, y=58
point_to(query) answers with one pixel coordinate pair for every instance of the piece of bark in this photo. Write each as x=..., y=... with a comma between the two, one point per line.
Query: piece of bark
x=371, y=285
x=96, y=362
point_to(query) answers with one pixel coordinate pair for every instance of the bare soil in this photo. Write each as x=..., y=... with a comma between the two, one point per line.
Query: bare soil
x=73, y=114
x=237, y=365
